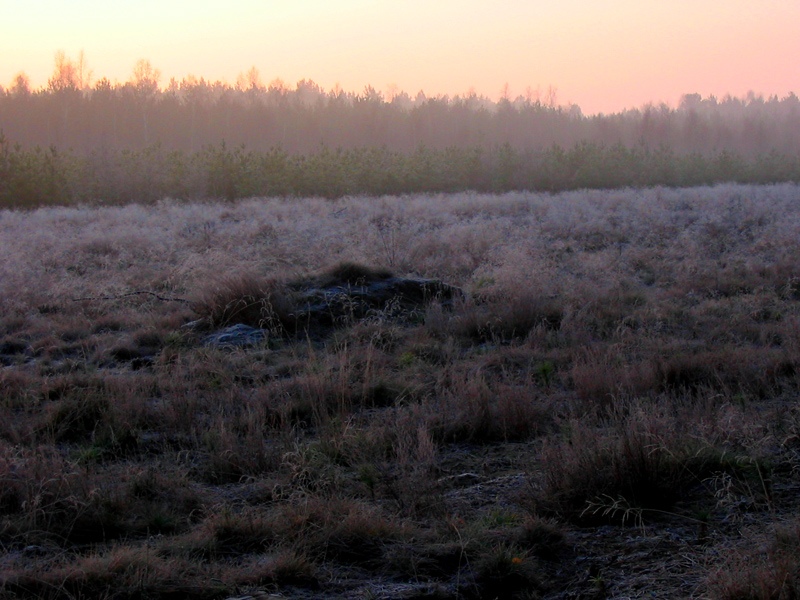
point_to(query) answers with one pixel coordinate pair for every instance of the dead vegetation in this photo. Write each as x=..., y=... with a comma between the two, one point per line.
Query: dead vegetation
x=610, y=407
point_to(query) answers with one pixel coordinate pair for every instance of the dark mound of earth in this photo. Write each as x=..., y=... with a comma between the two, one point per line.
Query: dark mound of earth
x=340, y=296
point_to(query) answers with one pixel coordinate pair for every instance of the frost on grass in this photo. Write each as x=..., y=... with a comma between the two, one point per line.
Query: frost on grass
x=615, y=354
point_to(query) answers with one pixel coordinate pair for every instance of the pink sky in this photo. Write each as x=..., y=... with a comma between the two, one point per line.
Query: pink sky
x=603, y=56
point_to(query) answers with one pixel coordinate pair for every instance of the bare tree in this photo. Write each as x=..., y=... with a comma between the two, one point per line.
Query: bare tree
x=145, y=78
x=65, y=74
x=250, y=81
x=84, y=73
x=145, y=86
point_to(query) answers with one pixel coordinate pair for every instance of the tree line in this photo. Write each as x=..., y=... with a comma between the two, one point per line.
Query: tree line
x=75, y=140
x=71, y=112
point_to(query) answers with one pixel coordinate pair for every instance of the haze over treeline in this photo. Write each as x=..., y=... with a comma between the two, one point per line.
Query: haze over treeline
x=77, y=141
x=74, y=112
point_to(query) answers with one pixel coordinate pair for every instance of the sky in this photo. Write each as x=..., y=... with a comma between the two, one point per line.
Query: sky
x=603, y=55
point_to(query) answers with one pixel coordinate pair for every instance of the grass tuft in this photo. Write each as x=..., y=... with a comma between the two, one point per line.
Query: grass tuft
x=246, y=299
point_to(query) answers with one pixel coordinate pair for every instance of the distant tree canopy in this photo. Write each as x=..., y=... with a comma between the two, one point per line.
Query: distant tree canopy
x=139, y=141
x=72, y=113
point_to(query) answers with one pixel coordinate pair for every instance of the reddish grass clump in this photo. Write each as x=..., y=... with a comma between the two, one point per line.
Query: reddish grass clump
x=246, y=299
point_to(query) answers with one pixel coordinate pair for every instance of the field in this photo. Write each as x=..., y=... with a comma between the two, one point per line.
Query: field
x=608, y=411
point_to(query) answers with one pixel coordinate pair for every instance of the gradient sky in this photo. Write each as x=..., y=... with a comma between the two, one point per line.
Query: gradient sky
x=604, y=55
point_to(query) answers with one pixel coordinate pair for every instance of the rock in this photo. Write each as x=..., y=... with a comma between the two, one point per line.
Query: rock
x=236, y=336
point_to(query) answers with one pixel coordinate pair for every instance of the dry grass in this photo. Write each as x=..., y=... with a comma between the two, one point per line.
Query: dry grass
x=246, y=299
x=770, y=572
x=643, y=459
x=629, y=355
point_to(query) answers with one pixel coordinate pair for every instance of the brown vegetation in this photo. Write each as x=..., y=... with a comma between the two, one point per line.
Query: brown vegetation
x=611, y=406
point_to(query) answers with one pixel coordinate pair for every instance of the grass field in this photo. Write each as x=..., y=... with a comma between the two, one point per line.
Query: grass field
x=609, y=411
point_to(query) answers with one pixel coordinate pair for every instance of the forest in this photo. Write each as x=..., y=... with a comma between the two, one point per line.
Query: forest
x=74, y=141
